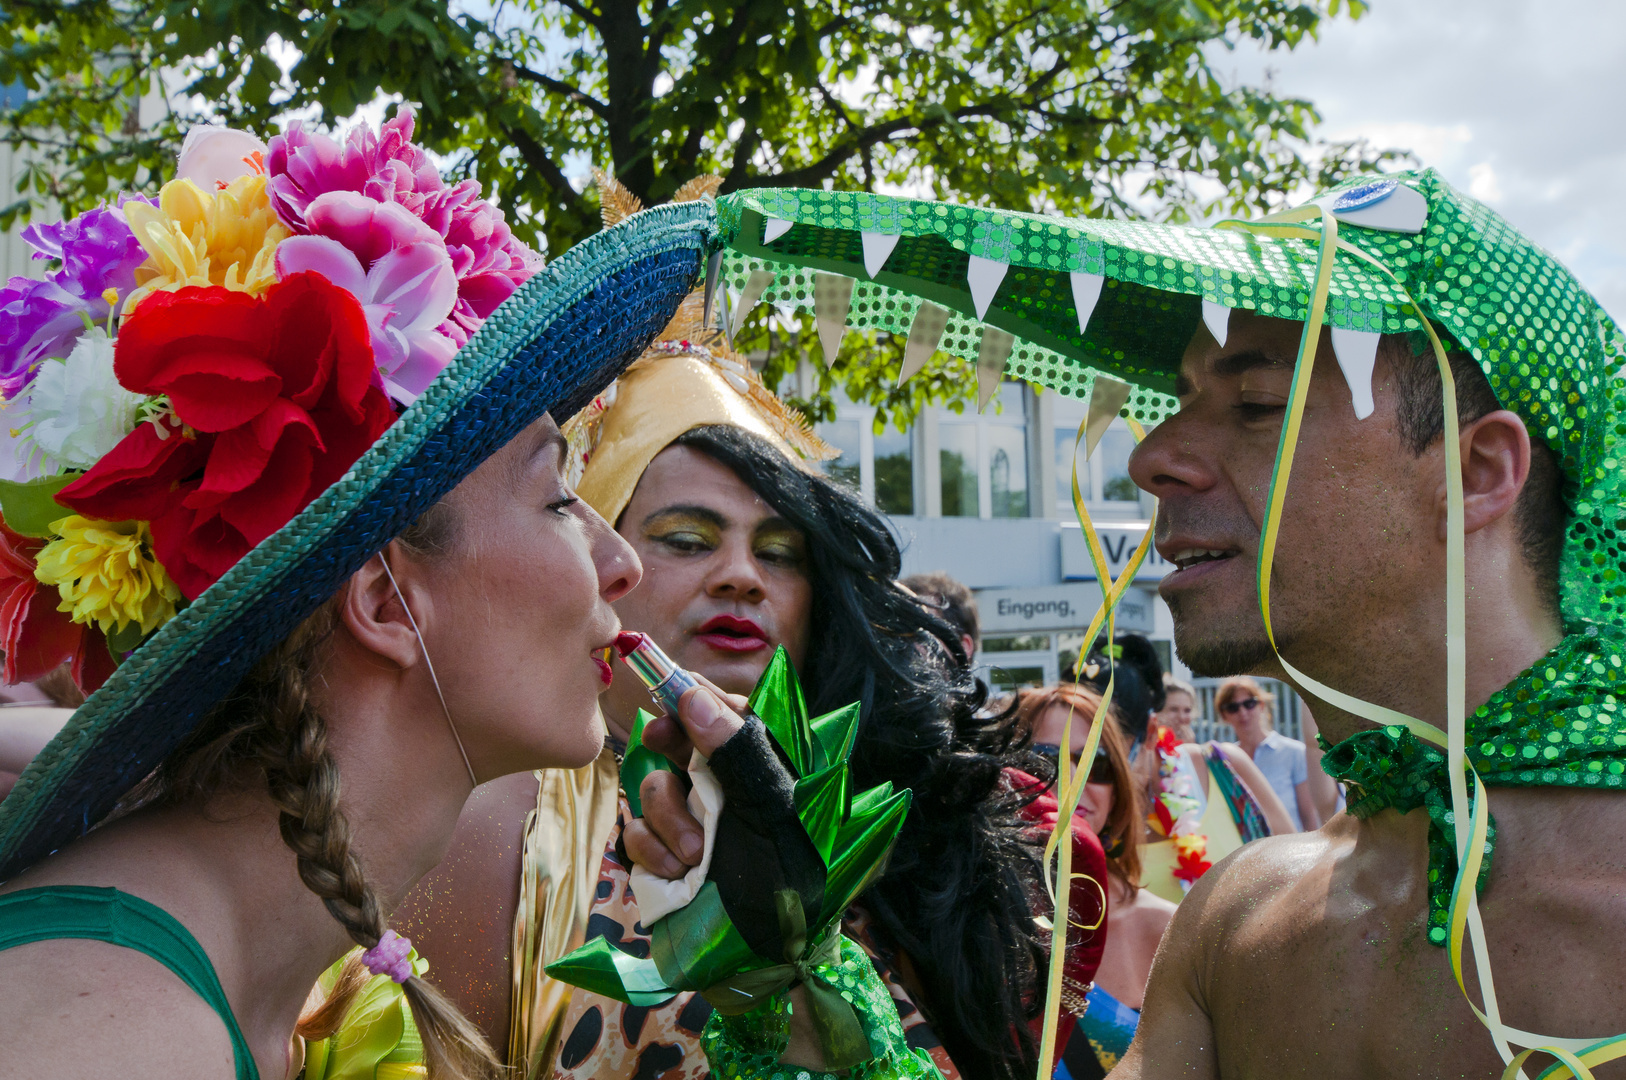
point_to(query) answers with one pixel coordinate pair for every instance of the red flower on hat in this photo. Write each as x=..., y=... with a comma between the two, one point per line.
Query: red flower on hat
x=272, y=401
x=36, y=636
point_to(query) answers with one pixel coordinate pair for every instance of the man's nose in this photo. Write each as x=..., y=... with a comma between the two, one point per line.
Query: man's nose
x=1170, y=462
x=736, y=573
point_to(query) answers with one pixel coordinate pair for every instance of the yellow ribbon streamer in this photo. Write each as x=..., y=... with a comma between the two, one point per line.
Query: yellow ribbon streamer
x=1070, y=790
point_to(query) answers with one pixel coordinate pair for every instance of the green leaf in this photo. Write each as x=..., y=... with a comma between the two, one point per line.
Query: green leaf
x=30, y=508
x=638, y=762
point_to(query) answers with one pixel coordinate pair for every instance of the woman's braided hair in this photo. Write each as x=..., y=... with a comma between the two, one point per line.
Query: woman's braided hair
x=269, y=731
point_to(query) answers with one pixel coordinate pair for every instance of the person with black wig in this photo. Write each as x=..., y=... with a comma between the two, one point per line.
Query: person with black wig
x=747, y=546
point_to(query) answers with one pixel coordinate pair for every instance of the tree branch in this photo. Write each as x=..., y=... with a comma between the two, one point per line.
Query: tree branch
x=561, y=88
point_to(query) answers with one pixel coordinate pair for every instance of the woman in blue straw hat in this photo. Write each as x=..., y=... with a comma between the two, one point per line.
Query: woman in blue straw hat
x=280, y=437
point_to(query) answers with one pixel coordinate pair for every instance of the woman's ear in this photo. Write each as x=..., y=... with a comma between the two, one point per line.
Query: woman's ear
x=1495, y=465
x=373, y=613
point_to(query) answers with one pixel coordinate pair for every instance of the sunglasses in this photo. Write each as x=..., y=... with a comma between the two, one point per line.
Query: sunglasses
x=1231, y=708
x=1100, y=768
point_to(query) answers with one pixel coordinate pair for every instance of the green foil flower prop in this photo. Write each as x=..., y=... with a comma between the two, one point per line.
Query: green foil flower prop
x=795, y=846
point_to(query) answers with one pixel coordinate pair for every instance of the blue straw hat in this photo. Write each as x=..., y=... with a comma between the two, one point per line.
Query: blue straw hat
x=556, y=342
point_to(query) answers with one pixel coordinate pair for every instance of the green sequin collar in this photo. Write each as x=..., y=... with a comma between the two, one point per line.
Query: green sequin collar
x=1559, y=724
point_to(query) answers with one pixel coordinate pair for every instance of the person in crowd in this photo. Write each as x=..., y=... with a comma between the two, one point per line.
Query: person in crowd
x=1202, y=801
x=1425, y=606
x=956, y=603
x=747, y=547
x=1250, y=710
x=1179, y=710
x=1112, y=808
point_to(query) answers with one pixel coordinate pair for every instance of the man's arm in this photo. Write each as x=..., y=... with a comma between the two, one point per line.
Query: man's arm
x=1309, y=813
x=1175, y=1037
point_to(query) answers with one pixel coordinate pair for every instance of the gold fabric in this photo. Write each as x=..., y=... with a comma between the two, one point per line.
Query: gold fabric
x=559, y=870
x=1157, y=861
x=654, y=404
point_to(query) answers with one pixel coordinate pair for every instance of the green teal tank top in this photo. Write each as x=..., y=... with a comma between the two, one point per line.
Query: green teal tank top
x=72, y=911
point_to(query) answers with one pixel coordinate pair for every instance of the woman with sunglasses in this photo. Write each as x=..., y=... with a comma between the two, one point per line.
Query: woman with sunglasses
x=1111, y=807
x=1248, y=708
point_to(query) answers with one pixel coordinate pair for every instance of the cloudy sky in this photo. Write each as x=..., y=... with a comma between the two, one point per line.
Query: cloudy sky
x=1522, y=103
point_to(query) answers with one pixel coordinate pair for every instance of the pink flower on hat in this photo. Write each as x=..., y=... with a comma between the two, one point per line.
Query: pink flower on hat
x=385, y=166
x=398, y=267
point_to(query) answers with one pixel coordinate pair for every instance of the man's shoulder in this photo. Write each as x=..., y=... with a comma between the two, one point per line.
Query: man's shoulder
x=1244, y=884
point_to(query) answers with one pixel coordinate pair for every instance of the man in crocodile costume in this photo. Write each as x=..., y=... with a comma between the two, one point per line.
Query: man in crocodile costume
x=1442, y=572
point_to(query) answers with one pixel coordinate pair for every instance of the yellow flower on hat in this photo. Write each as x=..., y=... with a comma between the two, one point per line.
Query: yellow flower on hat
x=106, y=574
x=225, y=237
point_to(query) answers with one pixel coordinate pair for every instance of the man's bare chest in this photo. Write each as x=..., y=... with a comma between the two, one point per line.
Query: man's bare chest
x=1327, y=979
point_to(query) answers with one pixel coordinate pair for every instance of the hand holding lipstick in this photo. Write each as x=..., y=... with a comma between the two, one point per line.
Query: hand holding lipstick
x=667, y=840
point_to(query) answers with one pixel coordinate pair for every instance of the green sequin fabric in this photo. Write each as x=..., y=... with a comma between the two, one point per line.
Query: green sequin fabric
x=1550, y=352
x=1562, y=723
x=750, y=1044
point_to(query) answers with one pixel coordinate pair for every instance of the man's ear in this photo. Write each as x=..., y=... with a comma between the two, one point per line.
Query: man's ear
x=372, y=613
x=1495, y=465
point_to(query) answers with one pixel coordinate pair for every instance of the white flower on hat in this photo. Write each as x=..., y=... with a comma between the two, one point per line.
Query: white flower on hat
x=73, y=412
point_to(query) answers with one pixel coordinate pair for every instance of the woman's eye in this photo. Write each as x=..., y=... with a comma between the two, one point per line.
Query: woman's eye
x=562, y=506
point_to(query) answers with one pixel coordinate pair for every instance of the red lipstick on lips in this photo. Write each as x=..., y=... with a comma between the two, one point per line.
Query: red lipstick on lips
x=605, y=672
x=730, y=633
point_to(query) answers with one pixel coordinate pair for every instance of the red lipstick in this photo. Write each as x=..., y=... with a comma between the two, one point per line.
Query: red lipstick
x=731, y=633
x=657, y=671
x=605, y=672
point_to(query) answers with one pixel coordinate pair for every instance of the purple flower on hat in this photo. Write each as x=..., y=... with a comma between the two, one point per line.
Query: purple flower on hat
x=398, y=268
x=385, y=166
x=42, y=319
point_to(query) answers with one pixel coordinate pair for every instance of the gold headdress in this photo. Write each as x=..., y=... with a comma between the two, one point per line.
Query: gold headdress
x=689, y=377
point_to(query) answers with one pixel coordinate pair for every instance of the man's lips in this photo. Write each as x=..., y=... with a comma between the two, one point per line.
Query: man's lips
x=731, y=633
x=1193, y=560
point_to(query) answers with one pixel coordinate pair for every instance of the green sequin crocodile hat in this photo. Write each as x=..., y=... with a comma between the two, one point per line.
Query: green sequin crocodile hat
x=562, y=336
x=1059, y=301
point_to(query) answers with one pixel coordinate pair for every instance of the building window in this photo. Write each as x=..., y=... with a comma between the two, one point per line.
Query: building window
x=1007, y=465
x=957, y=467
x=1104, y=478
x=843, y=435
x=894, y=472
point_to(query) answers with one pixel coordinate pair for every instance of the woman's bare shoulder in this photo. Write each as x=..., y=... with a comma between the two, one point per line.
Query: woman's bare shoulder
x=91, y=1009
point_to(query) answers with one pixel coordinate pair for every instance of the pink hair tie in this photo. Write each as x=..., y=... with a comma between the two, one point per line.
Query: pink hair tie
x=391, y=956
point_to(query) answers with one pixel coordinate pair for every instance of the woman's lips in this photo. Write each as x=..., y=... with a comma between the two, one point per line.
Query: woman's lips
x=730, y=633
x=605, y=672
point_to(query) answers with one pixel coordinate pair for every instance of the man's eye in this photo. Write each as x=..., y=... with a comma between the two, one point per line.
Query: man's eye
x=1259, y=410
x=686, y=542
x=780, y=556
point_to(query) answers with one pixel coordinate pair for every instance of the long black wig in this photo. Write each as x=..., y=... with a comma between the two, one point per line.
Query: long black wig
x=956, y=897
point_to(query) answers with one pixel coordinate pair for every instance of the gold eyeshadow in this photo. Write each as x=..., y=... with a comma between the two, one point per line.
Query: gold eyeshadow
x=782, y=543
x=683, y=528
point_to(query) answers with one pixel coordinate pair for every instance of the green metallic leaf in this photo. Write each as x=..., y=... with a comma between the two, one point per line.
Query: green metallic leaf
x=834, y=734
x=603, y=969
x=778, y=700
x=822, y=800
x=638, y=762
x=29, y=508
x=862, y=846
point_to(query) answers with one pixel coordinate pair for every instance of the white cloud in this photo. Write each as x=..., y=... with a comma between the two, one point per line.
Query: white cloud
x=1513, y=101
